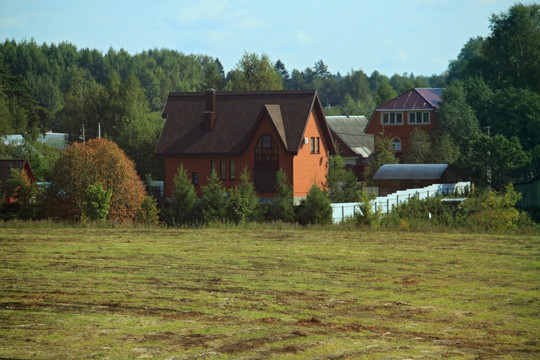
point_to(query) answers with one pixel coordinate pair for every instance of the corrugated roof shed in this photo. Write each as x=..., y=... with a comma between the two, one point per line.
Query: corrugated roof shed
x=350, y=129
x=410, y=172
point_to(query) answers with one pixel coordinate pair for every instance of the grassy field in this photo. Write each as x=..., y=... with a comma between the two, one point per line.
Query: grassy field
x=262, y=293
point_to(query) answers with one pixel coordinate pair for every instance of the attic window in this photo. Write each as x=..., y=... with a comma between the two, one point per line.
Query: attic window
x=392, y=118
x=419, y=118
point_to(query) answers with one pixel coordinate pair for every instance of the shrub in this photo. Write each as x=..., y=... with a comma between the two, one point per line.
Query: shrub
x=27, y=198
x=214, y=200
x=97, y=203
x=148, y=214
x=183, y=201
x=315, y=208
x=493, y=211
x=366, y=214
x=282, y=207
x=99, y=160
x=242, y=200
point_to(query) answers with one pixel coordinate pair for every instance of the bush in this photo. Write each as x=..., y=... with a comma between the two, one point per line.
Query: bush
x=315, y=208
x=97, y=203
x=426, y=212
x=99, y=160
x=282, y=207
x=242, y=201
x=182, y=204
x=214, y=200
x=493, y=211
x=148, y=214
x=367, y=215
x=27, y=198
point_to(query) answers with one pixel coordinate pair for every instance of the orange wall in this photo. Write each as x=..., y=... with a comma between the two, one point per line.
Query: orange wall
x=402, y=131
x=310, y=168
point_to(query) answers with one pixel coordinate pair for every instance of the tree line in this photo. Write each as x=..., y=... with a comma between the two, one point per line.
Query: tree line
x=494, y=84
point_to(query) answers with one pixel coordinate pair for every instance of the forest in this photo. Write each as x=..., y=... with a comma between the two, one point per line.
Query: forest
x=491, y=103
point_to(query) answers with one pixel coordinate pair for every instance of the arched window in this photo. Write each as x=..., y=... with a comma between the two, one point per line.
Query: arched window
x=396, y=144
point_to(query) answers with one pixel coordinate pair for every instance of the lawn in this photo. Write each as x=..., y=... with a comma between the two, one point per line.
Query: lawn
x=267, y=293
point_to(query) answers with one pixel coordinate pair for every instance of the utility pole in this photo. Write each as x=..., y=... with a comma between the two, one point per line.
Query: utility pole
x=83, y=137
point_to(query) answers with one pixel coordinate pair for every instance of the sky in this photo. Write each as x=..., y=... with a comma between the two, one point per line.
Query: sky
x=390, y=36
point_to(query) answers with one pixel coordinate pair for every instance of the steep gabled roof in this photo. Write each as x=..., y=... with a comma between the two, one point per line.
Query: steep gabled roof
x=237, y=115
x=350, y=130
x=415, y=99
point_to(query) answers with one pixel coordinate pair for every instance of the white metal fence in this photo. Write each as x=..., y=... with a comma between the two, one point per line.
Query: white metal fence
x=384, y=204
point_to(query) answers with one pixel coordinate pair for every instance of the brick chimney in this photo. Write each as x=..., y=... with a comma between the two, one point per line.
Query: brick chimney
x=210, y=113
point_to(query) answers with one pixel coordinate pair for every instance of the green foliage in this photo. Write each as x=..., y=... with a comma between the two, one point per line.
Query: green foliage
x=242, y=201
x=500, y=155
x=427, y=212
x=513, y=47
x=445, y=150
x=214, y=200
x=182, y=205
x=255, y=73
x=456, y=117
x=315, y=208
x=282, y=207
x=148, y=214
x=383, y=155
x=341, y=183
x=420, y=148
x=384, y=92
x=27, y=198
x=366, y=215
x=97, y=203
x=494, y=211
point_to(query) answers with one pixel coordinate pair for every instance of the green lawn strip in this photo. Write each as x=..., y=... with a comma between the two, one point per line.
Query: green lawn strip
x=226, y=293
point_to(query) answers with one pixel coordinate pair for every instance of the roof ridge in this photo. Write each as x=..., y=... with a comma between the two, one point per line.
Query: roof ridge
x=243, y=92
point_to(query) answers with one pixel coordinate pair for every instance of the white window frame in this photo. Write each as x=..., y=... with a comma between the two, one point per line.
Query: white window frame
x=392, y=118
x=425, y=117
x=396, y=144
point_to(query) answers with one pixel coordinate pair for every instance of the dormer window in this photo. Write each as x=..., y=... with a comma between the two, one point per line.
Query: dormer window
x=419, y=117
x=392, y=118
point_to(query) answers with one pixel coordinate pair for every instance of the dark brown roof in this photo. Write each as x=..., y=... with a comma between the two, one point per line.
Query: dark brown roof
x=237, y=115
x=417, y=98
x=5, y=172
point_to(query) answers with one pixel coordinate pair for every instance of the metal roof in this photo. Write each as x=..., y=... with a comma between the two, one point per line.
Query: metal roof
x=350, y=129
x=410, y=171
x=414, y=99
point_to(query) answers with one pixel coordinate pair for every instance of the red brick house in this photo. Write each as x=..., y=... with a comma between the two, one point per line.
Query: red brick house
x=6, y=189
x=263, y=131
x=397, y=118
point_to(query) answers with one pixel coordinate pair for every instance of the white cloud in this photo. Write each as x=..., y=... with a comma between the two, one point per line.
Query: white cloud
x=303, y=38
x=402, y=56
x=205, y=9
